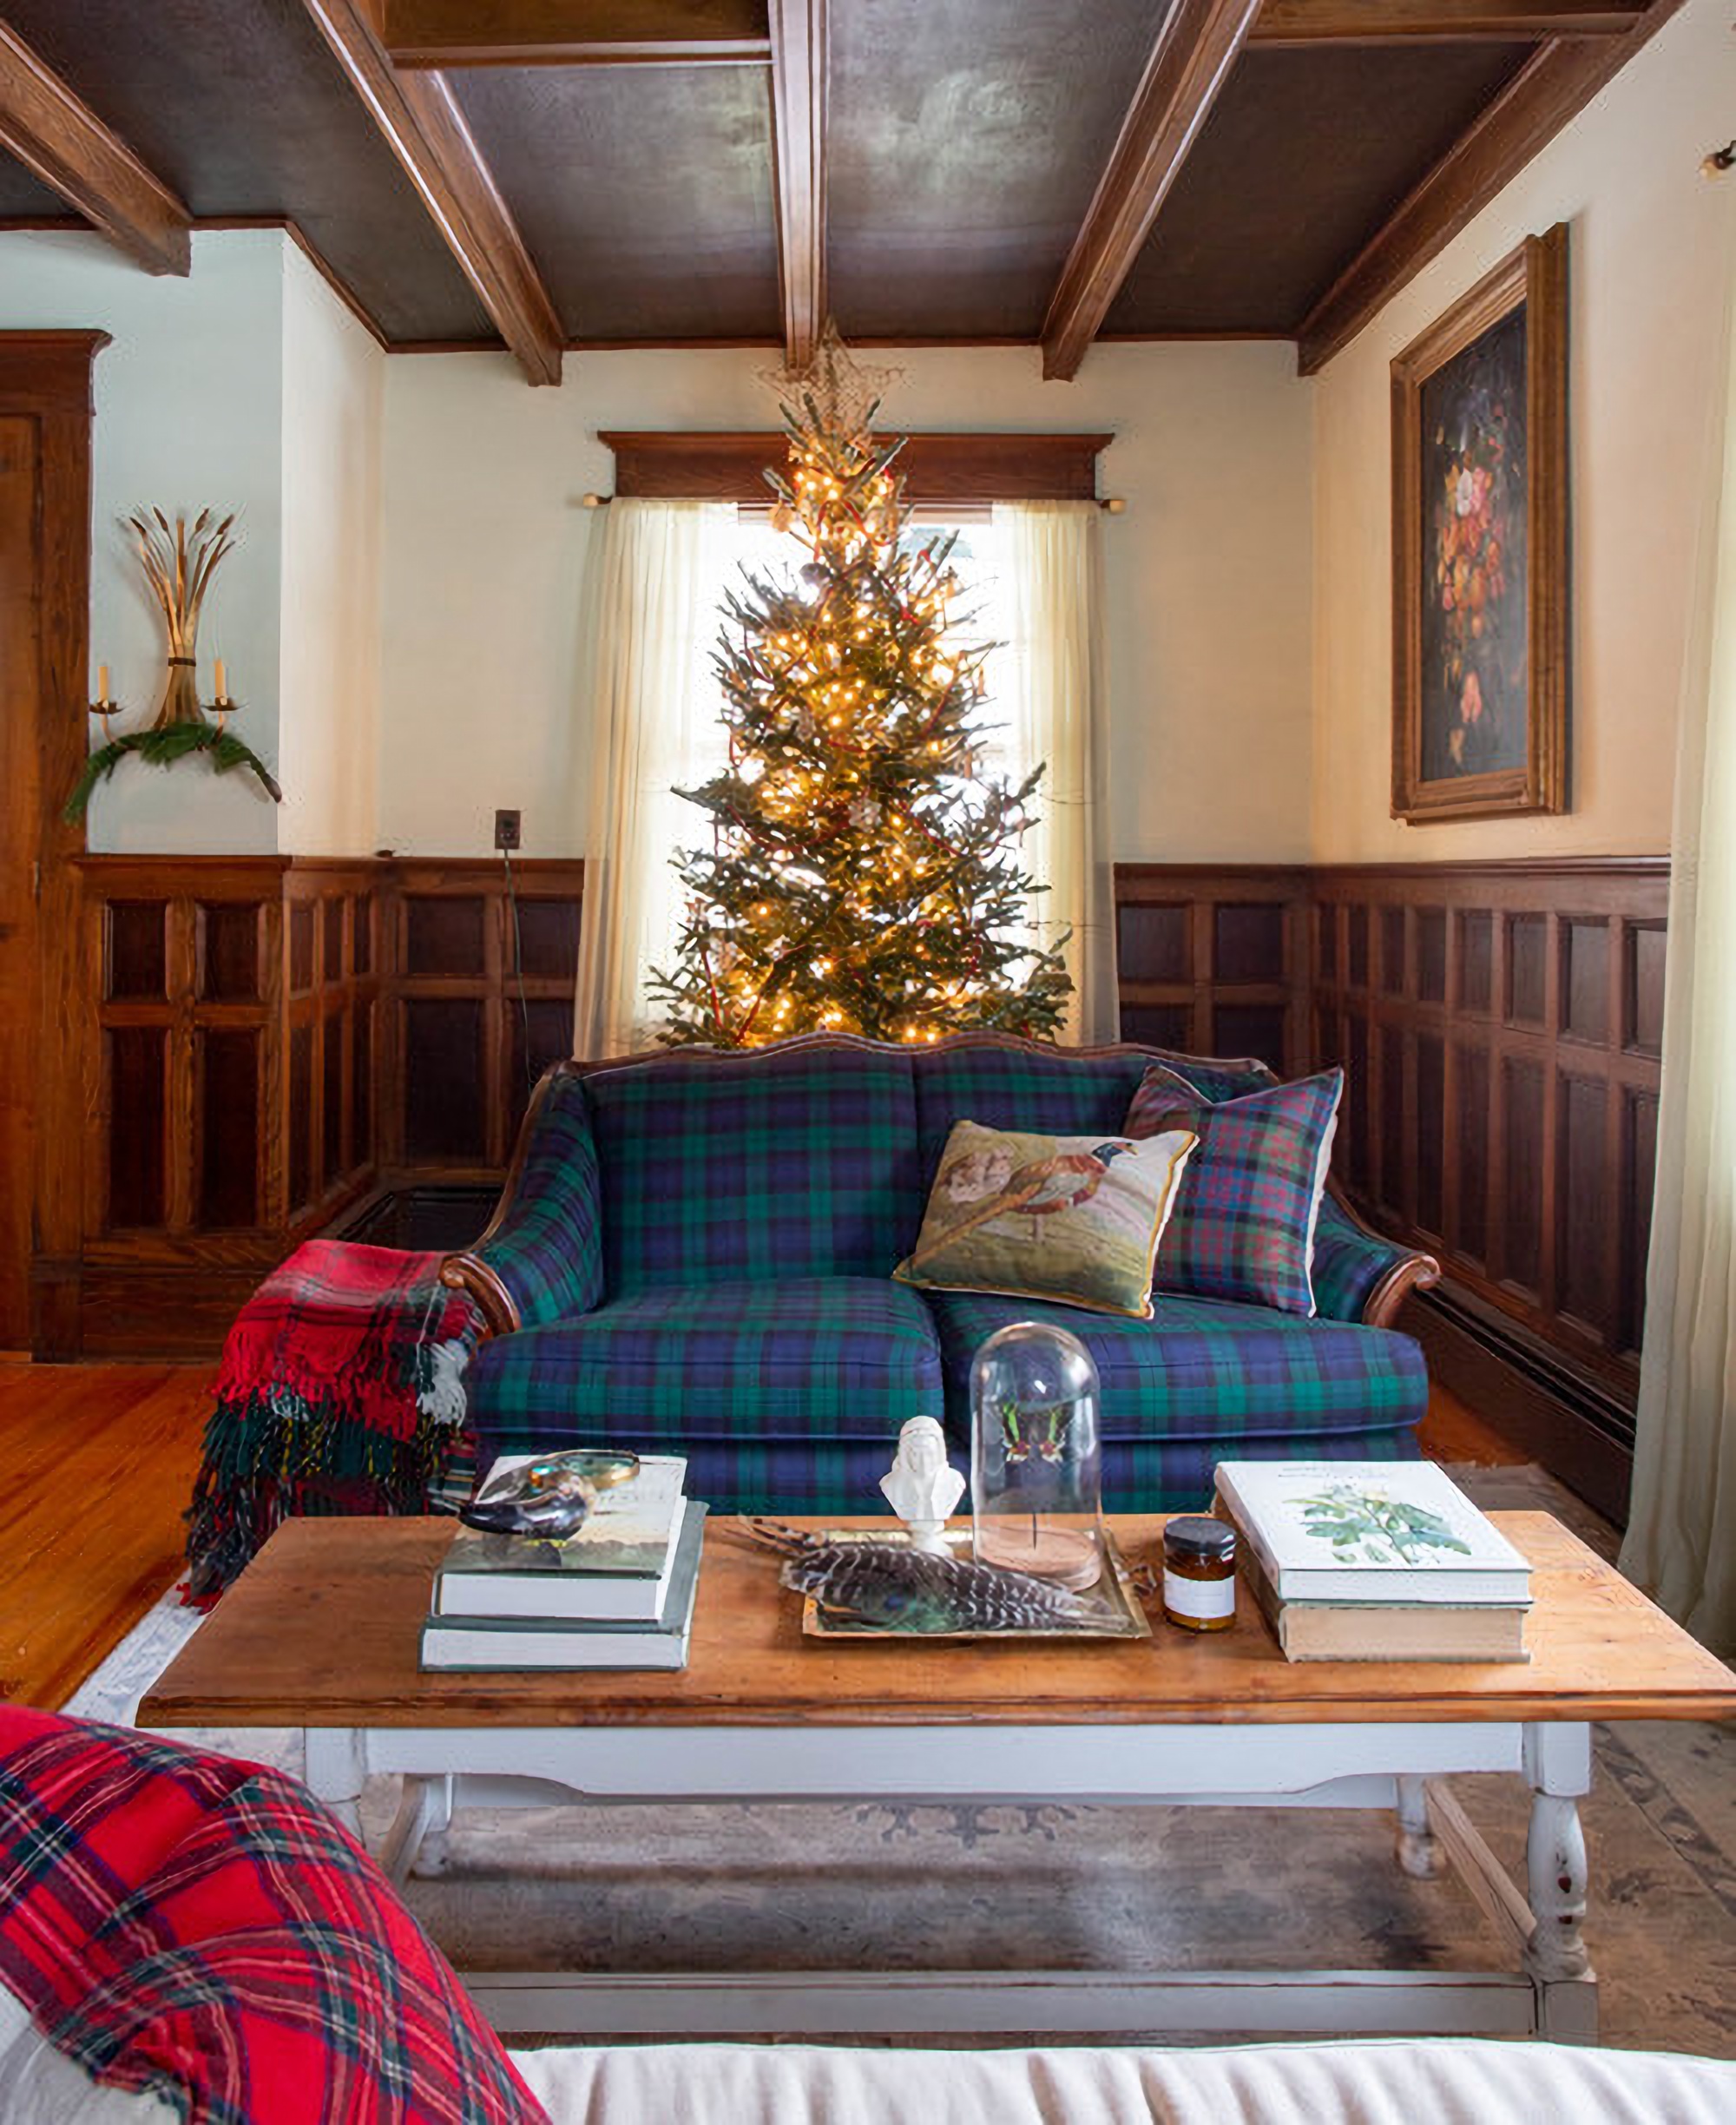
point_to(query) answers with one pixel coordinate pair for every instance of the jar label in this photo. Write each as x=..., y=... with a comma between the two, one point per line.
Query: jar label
x=1207, y=1599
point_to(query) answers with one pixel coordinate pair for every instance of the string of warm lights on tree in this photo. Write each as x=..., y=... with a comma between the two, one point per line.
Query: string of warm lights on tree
x=862, y=875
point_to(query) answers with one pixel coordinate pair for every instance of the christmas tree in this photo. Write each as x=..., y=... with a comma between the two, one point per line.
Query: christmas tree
x=862, y=878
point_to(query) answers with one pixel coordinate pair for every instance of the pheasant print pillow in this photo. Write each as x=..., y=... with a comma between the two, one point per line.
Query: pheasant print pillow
x=1075, y=1219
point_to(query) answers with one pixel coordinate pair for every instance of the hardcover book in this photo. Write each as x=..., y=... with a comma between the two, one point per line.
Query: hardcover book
x=1371, y=1531
x=1388, y=1630
x=552, y=1589
x=482, y=1642
x=628, y=1532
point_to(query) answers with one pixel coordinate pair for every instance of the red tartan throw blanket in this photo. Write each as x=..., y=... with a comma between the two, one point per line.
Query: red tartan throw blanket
x=341, y=1391
x=198, y=1930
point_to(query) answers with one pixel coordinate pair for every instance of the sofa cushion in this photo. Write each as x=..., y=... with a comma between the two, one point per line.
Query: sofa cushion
x=1432, y=2080
x=1059, y=1091
x=796, y=1358
x=801, y=1164
x=1243, y=1226
x=200, y=1928
x=1076, y=1219
x=1203, y=1381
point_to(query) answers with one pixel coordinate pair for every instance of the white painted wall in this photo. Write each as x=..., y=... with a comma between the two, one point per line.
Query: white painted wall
x=1207, y=585
x=333, y=412
x=1649, y=245
x=403, y=618
x=189, y=401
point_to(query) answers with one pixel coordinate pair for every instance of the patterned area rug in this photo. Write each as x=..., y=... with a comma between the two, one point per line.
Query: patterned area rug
x=834, y=1886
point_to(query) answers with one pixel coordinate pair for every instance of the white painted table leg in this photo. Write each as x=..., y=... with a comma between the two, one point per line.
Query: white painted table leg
x=416, y=1840
x=431, y=1858
x=1419, y=1851
x=337, y=1766
x=1558, y=1763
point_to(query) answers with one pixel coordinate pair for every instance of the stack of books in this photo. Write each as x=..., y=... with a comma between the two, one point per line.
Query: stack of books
x=1374, y=1560
x=618, y=1593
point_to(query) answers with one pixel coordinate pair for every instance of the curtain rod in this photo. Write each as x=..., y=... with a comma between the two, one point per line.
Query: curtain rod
x=1112, y=505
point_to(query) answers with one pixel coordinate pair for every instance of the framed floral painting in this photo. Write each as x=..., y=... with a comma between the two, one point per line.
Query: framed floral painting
x=1480, y=548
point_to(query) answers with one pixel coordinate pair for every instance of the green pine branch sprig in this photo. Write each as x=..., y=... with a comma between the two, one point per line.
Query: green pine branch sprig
x=162, y=748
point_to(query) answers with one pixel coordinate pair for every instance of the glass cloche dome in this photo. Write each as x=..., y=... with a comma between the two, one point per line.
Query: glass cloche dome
x=1035, y=1472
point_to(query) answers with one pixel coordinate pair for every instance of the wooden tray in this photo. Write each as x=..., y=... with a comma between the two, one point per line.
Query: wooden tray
x=1115, y=1589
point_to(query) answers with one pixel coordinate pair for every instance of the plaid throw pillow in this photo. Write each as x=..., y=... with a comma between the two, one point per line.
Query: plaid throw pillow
x=1243, y=1226
x=1075, y=1219
x=199, y=1929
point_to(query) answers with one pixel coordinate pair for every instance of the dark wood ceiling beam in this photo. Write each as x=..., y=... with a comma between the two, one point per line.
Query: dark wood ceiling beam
x=798, y=83
x=1553, y=86
x=1194, y=53
x=63, y=141
x=468, y=33
x=426, y=131
x=1387, y=22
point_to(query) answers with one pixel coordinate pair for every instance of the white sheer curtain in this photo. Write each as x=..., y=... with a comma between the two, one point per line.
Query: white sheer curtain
x=1682, y=1532
x=1049, y=678
x=655, y=718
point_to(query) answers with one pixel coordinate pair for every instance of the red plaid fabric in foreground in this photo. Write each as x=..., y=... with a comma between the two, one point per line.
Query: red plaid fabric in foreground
x=339, y=1392
x=201, y=1928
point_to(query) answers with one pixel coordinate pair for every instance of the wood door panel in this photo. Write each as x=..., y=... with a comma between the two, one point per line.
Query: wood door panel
x=20, y=473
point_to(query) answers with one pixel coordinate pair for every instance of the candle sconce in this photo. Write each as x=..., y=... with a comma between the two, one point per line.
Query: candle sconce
x=179, y=562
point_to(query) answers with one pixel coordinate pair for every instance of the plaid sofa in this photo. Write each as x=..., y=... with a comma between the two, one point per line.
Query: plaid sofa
x=693, y=1254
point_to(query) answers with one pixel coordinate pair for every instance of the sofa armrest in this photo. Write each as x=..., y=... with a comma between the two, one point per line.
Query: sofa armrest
x=1359, y=1276
x=541, y=1258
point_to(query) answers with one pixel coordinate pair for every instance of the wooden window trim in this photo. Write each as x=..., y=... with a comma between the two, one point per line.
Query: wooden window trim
x=959, y=470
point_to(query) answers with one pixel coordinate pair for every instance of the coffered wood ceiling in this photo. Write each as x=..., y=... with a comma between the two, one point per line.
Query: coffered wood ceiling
x=552, y=175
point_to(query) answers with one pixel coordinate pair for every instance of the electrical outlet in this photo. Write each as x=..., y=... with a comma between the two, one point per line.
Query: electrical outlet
x=506, y=829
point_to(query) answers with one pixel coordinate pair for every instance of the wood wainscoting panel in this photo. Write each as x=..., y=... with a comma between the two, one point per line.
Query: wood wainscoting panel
x=1502, y=1040
x=1500, y=1026
x=277, y=1038
x=183, y=1156
x=1213, y=959
x=225, y=1121
x=480, y=1002
x=332, y=986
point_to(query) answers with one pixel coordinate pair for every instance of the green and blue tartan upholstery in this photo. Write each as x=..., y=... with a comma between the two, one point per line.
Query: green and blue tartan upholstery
x=1057, y=1093
x=1348, y=1263
x=1243, y=1225
x=802, y=1164
x=549, y=1251
x=1204, y=1382
x=746, y=1378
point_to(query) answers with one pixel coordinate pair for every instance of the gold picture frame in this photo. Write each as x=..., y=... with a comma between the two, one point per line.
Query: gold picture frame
x=1480, y=596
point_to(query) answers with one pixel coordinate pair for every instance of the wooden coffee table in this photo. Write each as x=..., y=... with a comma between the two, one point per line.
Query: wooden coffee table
x=320, y=1633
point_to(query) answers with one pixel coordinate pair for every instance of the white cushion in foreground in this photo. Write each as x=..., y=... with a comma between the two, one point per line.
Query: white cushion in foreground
x=38, y=2086
x=1383, y=2081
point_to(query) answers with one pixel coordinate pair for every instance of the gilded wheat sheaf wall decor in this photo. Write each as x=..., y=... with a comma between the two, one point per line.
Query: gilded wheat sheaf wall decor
x=179, y=562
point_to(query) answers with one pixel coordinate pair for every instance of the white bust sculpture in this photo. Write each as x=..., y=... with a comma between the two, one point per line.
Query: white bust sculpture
x=920, y=1486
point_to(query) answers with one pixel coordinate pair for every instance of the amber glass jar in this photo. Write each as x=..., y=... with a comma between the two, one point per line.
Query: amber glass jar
x=1200, y=1573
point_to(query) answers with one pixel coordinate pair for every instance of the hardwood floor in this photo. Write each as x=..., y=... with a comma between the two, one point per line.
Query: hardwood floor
x=96, y=1467
x=1453, y=1433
